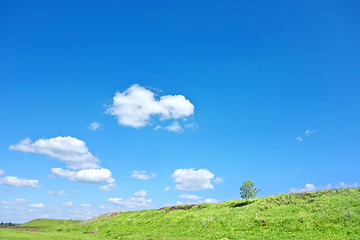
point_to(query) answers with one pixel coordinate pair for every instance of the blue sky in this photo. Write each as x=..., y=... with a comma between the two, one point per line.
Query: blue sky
x=200, y=95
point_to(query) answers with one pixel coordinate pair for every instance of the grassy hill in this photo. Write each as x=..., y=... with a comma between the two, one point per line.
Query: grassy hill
x=333, y=214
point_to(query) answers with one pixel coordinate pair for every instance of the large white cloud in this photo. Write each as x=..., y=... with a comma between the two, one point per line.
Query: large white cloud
x=67, y=149
x=101, y=175
x=136, y=105
x=191, y=180
x=19, y=182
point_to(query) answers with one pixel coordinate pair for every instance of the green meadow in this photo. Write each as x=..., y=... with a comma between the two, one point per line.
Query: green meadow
x=331, y=214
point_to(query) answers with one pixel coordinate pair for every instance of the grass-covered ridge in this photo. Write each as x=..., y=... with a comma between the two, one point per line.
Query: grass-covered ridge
x=333, y=214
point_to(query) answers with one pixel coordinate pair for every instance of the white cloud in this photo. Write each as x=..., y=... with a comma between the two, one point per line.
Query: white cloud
x=192, y=125
x=20, y=200
x=101, y=175
x=167, y=188
x=61, y=193
x=36, y=205
x=218, y=180
x=132, y=202
x=308, y=188
x=19, y=182
x=309, y=132
x=141, y=193
x=68, y=204
x=1, y=172
x=51, y=192
x=102, y=207
x=142, y=175
x=67, y=149
x=299, y=139
x=210, y=200
x=189, y=196
x=108, y=187
x=179, y=203
x=86, y=205
x=191, y=180
x=136, y=105
x=94, y=126
x=175, y=127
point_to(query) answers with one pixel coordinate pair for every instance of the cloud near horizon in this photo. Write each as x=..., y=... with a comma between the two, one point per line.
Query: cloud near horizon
x=137, y=105
x=132, y=202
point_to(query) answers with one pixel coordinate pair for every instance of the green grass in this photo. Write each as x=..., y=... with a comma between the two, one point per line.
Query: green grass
x=333, y=214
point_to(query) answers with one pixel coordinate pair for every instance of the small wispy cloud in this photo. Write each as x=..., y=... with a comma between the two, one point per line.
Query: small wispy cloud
x=94, y=126
x=142, y=175
x=309, y=132
x=299, y=139
x=218, y=180
x=174, y=127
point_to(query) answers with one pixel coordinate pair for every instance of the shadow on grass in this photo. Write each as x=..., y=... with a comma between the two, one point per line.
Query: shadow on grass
x=241, y=204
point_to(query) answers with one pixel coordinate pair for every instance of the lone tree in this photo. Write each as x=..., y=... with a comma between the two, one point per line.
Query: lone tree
x=247, y=190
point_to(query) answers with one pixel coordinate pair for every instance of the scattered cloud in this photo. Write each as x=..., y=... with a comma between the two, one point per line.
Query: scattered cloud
x=36, y=205
x=108, y=187
x=85, y=205
x=141, y=193
x=101, y=175
x=210, y=200
x=1, y=172
x=309, y=132
x=142, y=175
x=61, y=193
x=309, y=187
x=299, y=139
x=19, y=182
x=192, y=125
x=94, y=126
x=67, y=149
x=191, y=180
x=179, y=203
x=102, y=207
x=51, y=192
x=132, y=202
x=68, y=204
x=218, y=180
x=174, y=127
x=137, y=105
x=20, y=200
x=189, y=196
x=167, y=188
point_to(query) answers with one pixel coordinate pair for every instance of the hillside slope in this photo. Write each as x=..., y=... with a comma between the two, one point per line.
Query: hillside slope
x=333, y=214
